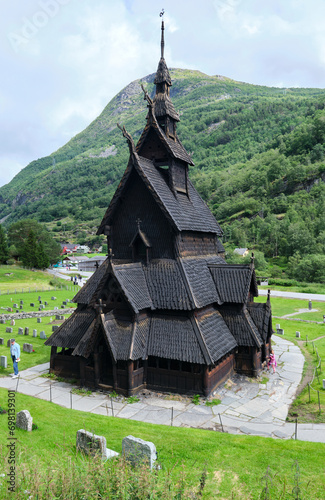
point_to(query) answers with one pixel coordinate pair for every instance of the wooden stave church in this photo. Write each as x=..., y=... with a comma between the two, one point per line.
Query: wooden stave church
x=164, y=311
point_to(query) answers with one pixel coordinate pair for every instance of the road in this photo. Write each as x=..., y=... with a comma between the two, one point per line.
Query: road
x=295, y=295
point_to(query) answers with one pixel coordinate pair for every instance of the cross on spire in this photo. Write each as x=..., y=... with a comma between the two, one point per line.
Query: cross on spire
x=100, y=306
x=139, y=222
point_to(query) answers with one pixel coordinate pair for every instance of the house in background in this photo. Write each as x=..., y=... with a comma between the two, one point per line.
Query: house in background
x=243, y=252
x=164, y=311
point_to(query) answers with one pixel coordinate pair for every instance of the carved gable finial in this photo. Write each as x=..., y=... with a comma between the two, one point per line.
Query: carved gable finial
x=128, y=138
x=147, y=96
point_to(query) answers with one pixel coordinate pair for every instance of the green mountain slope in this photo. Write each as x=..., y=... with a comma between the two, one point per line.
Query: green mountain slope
x=258, y=154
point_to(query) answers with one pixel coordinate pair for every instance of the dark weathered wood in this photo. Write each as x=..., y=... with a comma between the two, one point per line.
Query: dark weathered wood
x=164, y=311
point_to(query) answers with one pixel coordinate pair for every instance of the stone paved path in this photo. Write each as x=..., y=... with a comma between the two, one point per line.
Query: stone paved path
x=247, y=407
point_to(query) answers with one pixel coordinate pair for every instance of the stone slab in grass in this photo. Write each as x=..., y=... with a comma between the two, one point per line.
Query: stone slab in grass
x=24, y=420
x=91, y=444
x=138, y=451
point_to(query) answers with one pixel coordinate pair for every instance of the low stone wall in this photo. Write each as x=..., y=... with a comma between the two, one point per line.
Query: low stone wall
x=35, y=314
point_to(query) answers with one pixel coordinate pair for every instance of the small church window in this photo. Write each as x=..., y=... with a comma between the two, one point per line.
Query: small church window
x=140, y=249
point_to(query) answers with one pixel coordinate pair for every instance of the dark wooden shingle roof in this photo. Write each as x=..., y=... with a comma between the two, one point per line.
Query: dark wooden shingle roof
x=262, y=317
x=70, y=333
x=233, y=282
x=131, y=279
x=92, y=286
x=118, y=334
x=188, y=213
x=199, y=279
x=166, y=285
x=241, y=326
x=173, y=337
x=216, y=334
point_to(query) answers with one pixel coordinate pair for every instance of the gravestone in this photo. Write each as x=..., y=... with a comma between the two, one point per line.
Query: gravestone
x=20, y=331
x=39, y=298
x=21, y=302
x=12, y=322
x=9, y=329
x=32, y=304
x=56, y=308
x=17, y=310
x=310, y=305
x=280, y=331
x=21, y=307
x=137, y=451
x=54, y=327
x=42, y=335
x=24, y=420
x=53, y=298
x=2, y=321
x=28, y=348
x=91, y=444
x=40, y=302
x=41, y=306
x=62, y=307
x=64, y=303
x=57, y=316
x=26, y=330
x=278, y=326
x=39, y=320
x=2, y=341
x=46, y=303
x=9, y=309
x=15, y=306
x=3, y=361
x=298, y=335
x=8, y=343
x=34, y=333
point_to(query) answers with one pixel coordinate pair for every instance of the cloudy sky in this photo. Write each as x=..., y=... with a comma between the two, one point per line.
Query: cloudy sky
x=62, y=61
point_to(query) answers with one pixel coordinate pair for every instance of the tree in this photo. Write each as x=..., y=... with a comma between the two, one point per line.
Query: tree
x=19, y=232
x=33, y=254
x=4, y=252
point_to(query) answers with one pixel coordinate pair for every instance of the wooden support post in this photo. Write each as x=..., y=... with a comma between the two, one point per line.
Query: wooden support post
x=96, y=368
x=114, y=370
x=130, y=377
x=53, y=354
x=205, y=381
x=82, y=368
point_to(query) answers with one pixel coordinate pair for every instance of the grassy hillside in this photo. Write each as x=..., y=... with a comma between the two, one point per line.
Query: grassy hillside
x=258, y=154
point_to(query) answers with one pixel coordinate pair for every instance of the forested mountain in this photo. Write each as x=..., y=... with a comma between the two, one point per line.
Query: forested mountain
x=258, y=154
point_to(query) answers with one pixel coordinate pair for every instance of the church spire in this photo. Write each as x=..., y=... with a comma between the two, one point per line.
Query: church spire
x=162, y=39
x=164, y=109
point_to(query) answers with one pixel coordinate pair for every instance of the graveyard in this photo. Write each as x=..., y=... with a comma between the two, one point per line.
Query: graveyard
x=187, y=457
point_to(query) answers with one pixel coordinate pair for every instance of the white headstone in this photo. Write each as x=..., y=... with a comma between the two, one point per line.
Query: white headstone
x=42, y=335
x=3, y=361
x=24, y=420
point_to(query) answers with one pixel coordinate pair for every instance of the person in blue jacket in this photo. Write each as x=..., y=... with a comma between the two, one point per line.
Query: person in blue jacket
x=15, y=356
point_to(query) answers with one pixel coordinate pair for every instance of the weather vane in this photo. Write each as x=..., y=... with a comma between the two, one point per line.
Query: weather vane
x=162, y=12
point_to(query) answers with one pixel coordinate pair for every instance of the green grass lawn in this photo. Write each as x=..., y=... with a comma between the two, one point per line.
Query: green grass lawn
x=42, y=352
x=8, y=300
x=235, y=465
x=282, y=306
x=16, y=277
